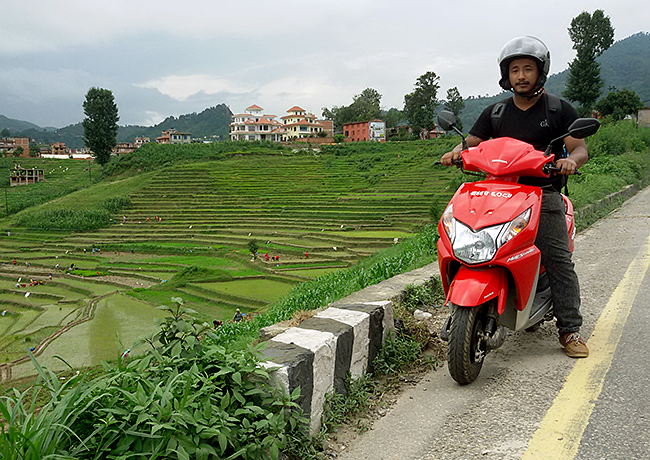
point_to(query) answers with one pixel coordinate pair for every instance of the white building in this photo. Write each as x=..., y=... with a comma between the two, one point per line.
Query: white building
x=253, y=125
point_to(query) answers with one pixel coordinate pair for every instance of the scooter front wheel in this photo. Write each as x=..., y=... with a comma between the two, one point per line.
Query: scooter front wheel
x=467, y=344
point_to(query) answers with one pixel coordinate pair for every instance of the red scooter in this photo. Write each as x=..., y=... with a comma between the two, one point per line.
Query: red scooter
x=489, y=265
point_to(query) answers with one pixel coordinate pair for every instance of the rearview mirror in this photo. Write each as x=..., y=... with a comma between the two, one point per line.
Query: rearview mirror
x=446, y=120
x=583, y=127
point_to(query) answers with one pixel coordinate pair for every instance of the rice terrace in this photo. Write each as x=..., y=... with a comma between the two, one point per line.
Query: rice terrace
x=85, y=260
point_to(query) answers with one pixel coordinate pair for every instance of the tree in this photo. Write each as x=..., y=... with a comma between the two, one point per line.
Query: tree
x=34, y=151
x=420, y=105
x=365, y=107
x=455, y=104
x=5, y=133
x=18, y=151
x=253, y=247
x=619, y=104
x=393, y=117
x=100, y=124
x=591, y=36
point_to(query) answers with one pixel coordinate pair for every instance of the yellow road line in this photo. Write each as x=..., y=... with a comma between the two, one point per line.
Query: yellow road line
x=560, y=432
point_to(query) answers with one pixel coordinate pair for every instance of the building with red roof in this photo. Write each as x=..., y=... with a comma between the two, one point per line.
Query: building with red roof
x=254, y=125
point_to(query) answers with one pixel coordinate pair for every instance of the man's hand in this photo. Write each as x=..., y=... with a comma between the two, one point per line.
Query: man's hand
x=448, y=158
x=567, y=166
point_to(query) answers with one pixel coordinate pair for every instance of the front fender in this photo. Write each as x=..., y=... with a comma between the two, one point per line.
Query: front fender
x=473, y=287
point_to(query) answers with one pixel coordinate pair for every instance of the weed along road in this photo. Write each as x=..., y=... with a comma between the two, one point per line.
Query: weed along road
x=530, y=400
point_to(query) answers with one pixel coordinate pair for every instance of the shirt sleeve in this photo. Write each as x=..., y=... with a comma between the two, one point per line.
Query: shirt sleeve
x=483, y=126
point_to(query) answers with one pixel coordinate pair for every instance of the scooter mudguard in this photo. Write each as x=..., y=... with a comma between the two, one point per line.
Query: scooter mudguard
x=473, y=287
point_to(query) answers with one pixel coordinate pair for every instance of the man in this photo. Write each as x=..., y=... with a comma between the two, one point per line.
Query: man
x=537, y=118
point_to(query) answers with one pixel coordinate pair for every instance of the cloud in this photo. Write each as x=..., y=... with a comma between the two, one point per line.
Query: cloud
x=163, y=58
x=181, y=87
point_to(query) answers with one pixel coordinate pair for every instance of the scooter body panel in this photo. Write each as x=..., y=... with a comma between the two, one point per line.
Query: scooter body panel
x=473, y=287
x=484, y=204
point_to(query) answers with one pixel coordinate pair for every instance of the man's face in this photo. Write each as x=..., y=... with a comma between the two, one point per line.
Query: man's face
x=523, y=74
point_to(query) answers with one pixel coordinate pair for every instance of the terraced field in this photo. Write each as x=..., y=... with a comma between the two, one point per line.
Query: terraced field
x=309, y=213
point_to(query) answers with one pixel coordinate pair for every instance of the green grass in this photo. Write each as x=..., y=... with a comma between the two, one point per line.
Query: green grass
x=263, y=289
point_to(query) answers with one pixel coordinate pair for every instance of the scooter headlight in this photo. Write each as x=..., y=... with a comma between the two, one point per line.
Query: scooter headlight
x=475, y=247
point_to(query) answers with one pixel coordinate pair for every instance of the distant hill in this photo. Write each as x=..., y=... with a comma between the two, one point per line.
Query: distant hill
x=15, y=126
x=212, y=123
x=625, y=65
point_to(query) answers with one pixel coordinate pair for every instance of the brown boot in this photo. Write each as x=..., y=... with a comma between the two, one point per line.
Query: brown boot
x=574, y=345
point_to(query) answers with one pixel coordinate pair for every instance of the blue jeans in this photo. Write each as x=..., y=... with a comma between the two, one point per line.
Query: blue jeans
x=553, y=243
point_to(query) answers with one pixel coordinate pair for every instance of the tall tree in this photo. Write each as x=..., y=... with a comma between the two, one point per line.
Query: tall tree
x=364, y=107
x=420, y=105
x=455, y=104
x=367, y=105
x=591, y=34
x=100, y=124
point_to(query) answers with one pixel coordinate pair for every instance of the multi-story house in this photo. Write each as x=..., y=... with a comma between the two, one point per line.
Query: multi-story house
x=373, y=130
x=140, y=141
x=172, y=136
x=122, y=148
x=59, y=148
x=11, y=144
x=298, y=124
x=254, y=125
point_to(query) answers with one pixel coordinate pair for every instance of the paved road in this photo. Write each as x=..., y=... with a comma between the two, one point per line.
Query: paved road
x=530, y=400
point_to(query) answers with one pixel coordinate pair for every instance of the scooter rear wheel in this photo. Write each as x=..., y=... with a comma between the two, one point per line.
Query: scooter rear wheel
x=467, y=347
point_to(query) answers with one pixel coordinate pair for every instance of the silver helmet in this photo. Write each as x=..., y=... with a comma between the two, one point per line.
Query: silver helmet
x=524, y=47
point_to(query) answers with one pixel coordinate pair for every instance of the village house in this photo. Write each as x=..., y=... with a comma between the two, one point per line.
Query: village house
x=253, y=125
x=373, y=130
x=23, y=176
x=172, y=136
x=59, y=148
x=140, y=141
x=299, y=124
x=9, y=145
x=123, y=148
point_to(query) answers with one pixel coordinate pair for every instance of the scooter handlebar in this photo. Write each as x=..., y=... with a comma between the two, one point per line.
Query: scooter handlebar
x=549, y=168
x=457, y=162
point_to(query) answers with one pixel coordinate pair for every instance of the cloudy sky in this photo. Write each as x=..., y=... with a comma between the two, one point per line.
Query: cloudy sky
x=164, y=57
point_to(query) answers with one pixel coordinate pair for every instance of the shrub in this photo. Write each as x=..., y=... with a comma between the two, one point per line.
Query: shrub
x=183, y=399
x=618, y=138
x=76, y=219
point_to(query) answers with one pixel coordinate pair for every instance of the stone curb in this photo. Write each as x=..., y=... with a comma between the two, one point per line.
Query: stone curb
x=343, y=339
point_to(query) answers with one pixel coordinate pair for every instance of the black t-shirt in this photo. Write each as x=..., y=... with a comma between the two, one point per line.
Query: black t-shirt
x=536, y=126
